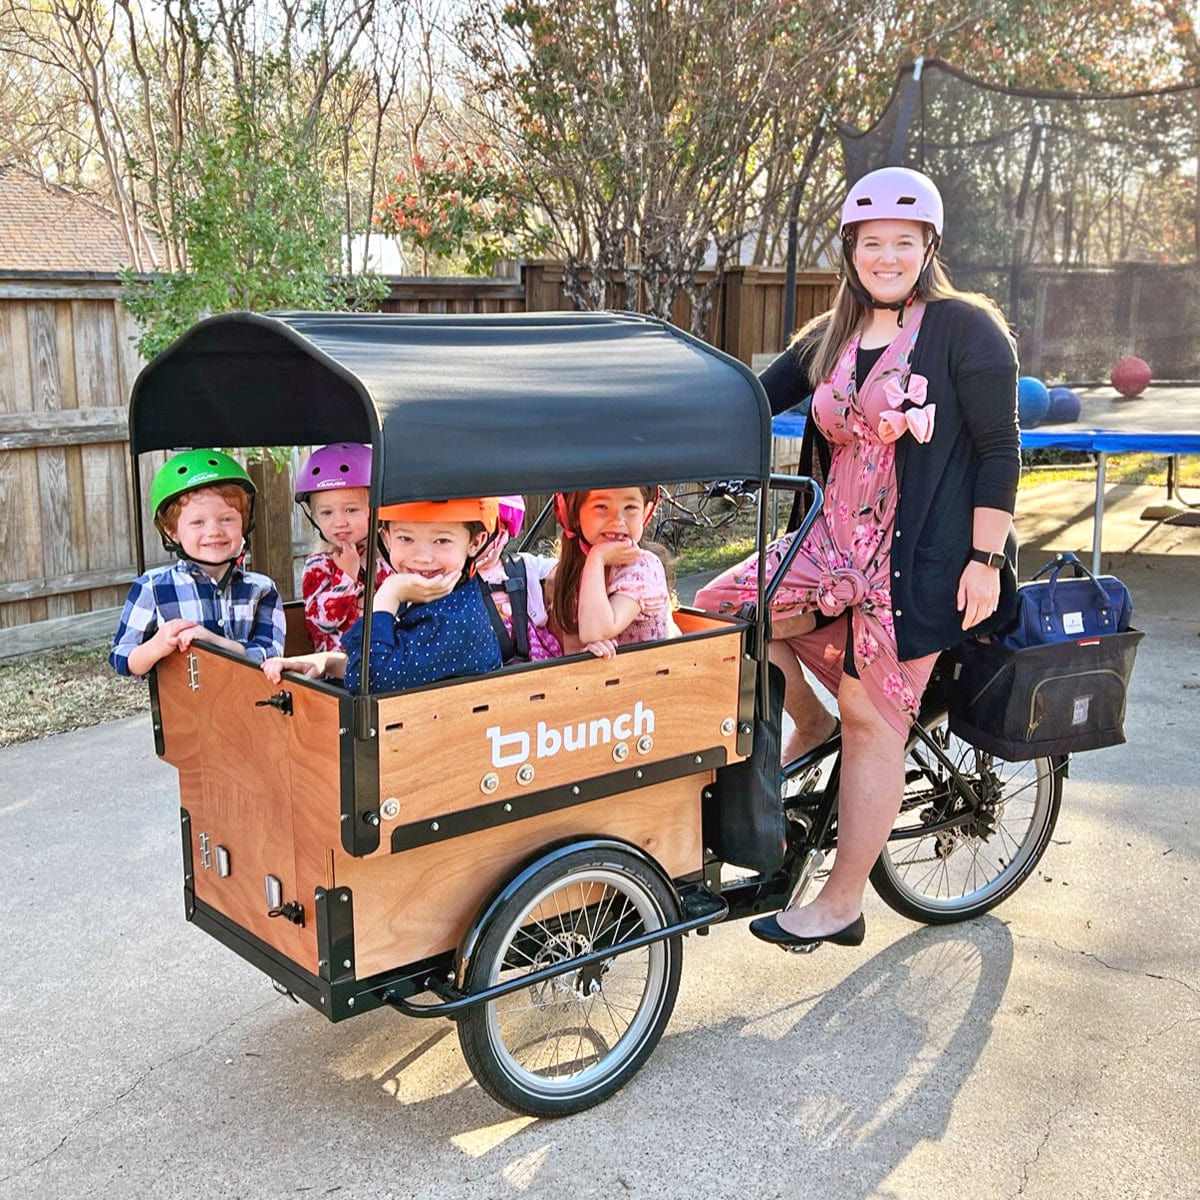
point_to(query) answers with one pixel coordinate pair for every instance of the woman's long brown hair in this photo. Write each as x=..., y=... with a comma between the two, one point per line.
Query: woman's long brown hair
x=564, y=595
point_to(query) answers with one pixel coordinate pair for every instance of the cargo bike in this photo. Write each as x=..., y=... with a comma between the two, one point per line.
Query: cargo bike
x=523, y=852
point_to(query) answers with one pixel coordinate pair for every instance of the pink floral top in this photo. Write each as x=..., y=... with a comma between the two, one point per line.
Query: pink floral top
x=645, y=581
x=332, y=600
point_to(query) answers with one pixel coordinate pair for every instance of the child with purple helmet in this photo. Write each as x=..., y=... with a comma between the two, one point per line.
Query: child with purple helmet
x=333, y=487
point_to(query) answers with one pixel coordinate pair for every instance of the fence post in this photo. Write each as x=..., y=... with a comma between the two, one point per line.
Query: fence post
x=271, y=538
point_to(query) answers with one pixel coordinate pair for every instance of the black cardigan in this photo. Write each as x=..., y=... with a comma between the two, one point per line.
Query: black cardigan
x=973, y=460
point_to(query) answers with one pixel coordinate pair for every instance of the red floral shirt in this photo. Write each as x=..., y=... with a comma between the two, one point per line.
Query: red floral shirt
x=332, y=600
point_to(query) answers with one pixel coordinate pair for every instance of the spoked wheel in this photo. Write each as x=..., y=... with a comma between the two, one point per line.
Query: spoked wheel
x=567, y=1043
x=971, y=858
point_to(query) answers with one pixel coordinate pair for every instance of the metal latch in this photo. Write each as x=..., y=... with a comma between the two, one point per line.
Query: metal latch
x=193, y=664
x=281, y=701
x=205, y=852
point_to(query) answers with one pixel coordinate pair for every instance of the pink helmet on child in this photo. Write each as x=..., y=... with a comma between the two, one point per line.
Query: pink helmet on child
x=894, y=194
x=340, y=465
x=512, y=513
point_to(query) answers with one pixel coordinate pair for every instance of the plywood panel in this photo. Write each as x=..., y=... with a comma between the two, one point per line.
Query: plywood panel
x=412, y=905
x=563, y=720
x=235, y=778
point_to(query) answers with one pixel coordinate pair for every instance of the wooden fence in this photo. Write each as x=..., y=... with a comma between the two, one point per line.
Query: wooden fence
x=67, y=364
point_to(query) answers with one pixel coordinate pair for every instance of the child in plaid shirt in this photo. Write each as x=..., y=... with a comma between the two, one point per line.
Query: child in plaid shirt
x=201, y=502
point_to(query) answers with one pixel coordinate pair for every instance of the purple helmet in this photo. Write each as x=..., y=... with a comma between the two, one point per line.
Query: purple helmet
x=341, y=465
x=894, y=193
x=512, y=513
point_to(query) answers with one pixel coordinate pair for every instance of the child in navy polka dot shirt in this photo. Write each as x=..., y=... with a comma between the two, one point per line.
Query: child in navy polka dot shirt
x=429, y=619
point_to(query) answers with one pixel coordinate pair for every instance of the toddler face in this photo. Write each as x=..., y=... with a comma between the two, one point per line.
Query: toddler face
x=208, y=527
x=430, y=548
x=341, y=515
x=613, y=515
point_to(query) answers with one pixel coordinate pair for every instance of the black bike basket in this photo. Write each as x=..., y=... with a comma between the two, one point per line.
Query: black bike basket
x=1036, y=690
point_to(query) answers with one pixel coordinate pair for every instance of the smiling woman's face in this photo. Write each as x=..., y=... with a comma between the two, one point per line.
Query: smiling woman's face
x=888, y=256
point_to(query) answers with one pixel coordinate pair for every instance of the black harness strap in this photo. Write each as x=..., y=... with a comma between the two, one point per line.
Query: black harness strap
x=514, y=647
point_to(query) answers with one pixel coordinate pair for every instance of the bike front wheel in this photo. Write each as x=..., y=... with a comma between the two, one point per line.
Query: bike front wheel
x=961, y=859
x=565, y=1044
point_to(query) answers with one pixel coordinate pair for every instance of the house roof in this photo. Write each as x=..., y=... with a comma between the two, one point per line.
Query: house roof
x=44, y=227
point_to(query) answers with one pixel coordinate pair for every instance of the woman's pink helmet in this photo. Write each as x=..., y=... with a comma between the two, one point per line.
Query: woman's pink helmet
x=340, y=465
x=512, y=513
x=894, y=193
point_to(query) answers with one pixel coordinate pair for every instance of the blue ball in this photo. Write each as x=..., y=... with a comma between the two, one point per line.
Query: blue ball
x=1064, y=406
x=1033, y=401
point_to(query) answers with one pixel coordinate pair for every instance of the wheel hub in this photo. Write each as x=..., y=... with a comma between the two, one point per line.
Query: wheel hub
x=579, y=985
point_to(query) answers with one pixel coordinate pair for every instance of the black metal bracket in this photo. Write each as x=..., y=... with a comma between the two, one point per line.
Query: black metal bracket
x=517, y=808
x=189, y=871
x=359, y=762
x=335, y=948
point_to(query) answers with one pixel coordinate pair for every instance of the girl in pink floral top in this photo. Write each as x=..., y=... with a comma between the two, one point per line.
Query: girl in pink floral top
x=333, y=488
x=608, y=590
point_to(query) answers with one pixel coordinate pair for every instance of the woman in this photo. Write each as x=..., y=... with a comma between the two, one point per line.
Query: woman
x=915, y=434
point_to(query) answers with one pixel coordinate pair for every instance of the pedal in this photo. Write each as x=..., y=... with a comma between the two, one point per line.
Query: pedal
x=801, y=949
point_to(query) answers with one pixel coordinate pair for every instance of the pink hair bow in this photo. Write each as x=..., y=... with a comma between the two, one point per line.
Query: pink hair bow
x=918, y=419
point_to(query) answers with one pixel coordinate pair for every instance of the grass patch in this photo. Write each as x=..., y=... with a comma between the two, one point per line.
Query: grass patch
x=55, y=691
x=1121, y=468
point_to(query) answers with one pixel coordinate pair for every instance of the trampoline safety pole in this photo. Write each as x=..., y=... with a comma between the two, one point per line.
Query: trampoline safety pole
x=1098, y=515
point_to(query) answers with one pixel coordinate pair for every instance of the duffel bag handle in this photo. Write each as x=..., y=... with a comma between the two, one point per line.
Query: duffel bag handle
x=1054, y=567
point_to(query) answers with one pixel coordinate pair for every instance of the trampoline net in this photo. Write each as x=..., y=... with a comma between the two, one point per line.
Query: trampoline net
x=1077, y=214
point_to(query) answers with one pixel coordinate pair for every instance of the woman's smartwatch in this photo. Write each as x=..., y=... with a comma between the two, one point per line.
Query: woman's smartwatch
x=989, y=558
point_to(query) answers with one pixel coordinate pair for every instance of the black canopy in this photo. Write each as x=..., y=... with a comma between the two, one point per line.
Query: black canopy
x=463, y=404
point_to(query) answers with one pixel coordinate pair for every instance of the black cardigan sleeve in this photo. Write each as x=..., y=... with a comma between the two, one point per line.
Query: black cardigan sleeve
x=984, y=365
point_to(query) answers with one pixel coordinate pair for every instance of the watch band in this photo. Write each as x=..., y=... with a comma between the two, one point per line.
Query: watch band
x=991, y=558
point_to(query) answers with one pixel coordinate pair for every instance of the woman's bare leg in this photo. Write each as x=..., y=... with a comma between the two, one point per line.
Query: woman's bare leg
x=812, y=720
x=872, y=786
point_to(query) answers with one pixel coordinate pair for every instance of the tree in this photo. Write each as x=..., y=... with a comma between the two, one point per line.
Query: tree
x=642, y=127
x=462, y=205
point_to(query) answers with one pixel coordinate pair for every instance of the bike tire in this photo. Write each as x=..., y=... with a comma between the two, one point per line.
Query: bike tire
x=519, y=1047
x=959, y=873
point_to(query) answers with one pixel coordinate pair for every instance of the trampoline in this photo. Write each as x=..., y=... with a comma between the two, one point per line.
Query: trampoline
x=1164, y=420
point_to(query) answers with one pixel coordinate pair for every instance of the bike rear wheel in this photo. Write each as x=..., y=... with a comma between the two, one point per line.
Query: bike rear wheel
x=980, y=855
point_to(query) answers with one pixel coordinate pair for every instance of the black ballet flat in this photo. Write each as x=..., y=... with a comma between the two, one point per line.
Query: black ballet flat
x=768, y=929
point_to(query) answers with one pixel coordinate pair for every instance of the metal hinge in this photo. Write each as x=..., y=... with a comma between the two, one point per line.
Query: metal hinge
x=193, y=672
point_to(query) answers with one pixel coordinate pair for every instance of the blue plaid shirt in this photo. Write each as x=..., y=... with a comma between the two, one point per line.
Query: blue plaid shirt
x=245, y=609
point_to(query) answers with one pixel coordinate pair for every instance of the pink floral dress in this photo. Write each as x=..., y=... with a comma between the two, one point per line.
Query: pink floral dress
x=845, y=562
x=645, y=581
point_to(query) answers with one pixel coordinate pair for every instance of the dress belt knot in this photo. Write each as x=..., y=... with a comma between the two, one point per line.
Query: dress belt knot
x=840, y=589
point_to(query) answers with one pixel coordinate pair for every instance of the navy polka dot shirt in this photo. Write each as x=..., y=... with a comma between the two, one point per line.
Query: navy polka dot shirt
x=425, y=642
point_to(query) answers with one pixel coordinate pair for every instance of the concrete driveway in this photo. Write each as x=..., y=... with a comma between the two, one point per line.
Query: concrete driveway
x=1045, y=1050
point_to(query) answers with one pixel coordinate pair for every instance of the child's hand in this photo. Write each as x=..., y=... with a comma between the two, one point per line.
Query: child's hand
x=491, y=556
x=604, y=648
x=308, y=664
x=347, y=557
x=617, y=553
x=193, y=633
x=169, y=632
x=415, y=589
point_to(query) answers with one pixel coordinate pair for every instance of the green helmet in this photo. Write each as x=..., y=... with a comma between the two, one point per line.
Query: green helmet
x=194, y=469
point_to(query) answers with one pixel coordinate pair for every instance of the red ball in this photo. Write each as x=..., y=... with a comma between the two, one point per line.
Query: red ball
x=1130, y=376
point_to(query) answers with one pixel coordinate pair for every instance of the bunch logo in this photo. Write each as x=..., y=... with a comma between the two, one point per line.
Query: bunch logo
x=512, y=749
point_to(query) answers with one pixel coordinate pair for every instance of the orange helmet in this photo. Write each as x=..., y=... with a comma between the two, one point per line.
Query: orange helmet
x=484, y=509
